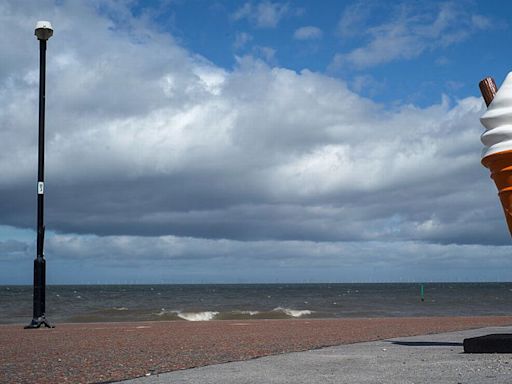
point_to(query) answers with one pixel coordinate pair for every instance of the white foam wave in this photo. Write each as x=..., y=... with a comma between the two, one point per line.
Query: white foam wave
x=198, y=316
x=120, y=308
x=250, y=313
x=293, y=312
x=161, y=313
x=164, y=311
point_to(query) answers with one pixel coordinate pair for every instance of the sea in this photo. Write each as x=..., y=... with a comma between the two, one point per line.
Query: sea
x=206, y=302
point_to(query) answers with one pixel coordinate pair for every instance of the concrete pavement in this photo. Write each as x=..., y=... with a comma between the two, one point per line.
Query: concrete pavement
x=425, y=359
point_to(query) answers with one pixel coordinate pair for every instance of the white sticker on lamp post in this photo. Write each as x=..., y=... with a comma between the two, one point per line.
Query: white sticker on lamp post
x=40, y=188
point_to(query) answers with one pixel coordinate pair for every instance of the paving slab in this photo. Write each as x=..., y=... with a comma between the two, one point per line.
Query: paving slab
x=437, y=358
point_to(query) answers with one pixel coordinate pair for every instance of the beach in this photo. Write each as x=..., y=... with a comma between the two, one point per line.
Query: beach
x=106, y=352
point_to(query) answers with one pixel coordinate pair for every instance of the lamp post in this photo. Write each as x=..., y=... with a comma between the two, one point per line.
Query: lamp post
x=43, y=32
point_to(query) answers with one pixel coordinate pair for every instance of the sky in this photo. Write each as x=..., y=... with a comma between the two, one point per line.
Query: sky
x=252, y=141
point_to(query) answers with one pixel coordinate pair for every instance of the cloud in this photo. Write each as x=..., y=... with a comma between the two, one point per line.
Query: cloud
x=154, y=153
x=188, y=149
x=481, y=22
x=307, y=33
x=406, y=32
x=442, y=61
x=241, y=39
x=367, y=84
x=169, y=259
x=268, y=54
x=265, y=14
x=356, y=16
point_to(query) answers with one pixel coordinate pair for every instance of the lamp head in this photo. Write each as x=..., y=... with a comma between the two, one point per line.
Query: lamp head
x=43, y=30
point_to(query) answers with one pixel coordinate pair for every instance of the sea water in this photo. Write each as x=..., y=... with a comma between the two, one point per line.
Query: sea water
x=204, y=302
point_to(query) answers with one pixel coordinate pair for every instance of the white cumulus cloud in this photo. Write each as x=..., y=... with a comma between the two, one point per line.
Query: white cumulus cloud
x=307, y=33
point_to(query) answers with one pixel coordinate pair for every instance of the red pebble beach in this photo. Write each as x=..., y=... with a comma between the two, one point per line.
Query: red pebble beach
x=106, y=352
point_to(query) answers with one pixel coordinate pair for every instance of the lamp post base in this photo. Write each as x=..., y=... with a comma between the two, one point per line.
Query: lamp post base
x=36, y=323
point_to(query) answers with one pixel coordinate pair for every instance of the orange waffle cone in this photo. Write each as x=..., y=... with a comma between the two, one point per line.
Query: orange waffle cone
x=500, y=165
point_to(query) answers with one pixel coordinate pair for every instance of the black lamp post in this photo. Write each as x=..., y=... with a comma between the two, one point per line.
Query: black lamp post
x=43, y=32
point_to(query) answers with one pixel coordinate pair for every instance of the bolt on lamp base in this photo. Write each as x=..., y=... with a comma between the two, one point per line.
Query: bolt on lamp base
x=36, y=323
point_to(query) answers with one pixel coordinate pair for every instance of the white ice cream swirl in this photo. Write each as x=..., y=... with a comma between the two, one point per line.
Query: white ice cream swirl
x=498, y=121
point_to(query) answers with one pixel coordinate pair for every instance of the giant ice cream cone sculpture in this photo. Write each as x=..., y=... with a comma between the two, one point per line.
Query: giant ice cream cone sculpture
x=497, y=139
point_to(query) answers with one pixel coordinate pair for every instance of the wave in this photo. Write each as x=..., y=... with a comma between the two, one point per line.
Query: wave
x=250, y=313
x=279, y=312
x=198, y=316
x=189, y=316
x=293, y=312
x=164, y=312
x=141, y=314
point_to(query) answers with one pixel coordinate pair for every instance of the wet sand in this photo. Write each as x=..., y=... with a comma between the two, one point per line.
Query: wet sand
x=106, y=352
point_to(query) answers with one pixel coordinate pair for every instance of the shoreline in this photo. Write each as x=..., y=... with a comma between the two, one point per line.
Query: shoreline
x=250, y=320
x=306, y=319
x=113, y=351
x=253, y=320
